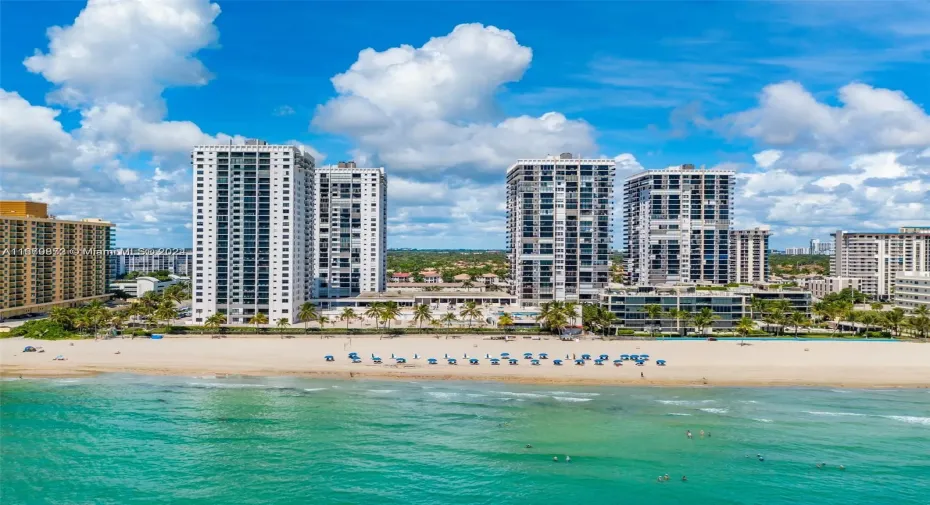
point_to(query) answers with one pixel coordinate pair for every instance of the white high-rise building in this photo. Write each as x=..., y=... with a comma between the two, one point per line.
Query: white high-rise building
x=749, y=255
x=559, y=227
x=677, y=225
x=351, y=232
x=252, y=231
x=876, y=258
x=820, y=247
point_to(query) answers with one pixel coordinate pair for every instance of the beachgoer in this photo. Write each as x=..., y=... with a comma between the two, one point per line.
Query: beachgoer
x=555, y=459
x=684, y=478
x=660, y=479
x=641, y=376
x=568, y=459
x=688, y=433
x=708, y=434
x=820, y=465
x=667, y=477
x=842, y=467
x=761, y=458
x=702, y=433
x=528, y=446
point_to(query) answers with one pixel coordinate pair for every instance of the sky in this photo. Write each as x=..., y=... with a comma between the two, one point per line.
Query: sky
x=820, y=107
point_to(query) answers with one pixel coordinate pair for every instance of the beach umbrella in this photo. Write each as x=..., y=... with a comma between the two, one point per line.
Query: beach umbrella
x=543, y=355
x=495, y=361
x=618, y=362
x=329, y=357
x=579, y=362
x=356, y=360
x=624, y=356
x=634, y=357
x=660, y=362
x=534, y=362
x=513, y=361
x=640, y=362
x=431, y=361
x=604, y=356
x=644, y=357
x=557, y=362
x=585, y=356
x=598, y=362
x=527, y=355
x=505, y=354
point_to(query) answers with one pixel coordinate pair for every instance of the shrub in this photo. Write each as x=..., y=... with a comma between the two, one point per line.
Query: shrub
x=43, y=329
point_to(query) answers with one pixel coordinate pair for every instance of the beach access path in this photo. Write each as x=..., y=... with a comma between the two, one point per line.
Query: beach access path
x=720, y=363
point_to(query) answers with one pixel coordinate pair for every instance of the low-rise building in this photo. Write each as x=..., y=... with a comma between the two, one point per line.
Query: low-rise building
x=489, y=278
x=431, y=277
x=912, y=290
x=823, y=286
x=462, y=278
x=141, y=285
x=401, y=277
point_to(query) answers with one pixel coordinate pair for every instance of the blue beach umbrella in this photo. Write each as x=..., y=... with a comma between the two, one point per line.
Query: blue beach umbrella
x=514, y=361
x=618, y=362
x=495, y=361
x=557, y=362
x=660, y=362
x=604, y=356
x=356, y=360
x=432, y=361
x=579, y=362
x=640, y=363
x=644, y=357
x=634, y=357
x=624, y=356
x=505, y=354
x=534, y=362
x=452, y=361
x=543, y=355
x=598, y=362
x=473, y=361
x=527, y=355
x=329, y=357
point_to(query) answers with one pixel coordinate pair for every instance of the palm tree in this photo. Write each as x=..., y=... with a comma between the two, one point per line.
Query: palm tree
x=654, y=313
x=505, y=321
x=347, y=315
x=214, y=322
x=421, y=313
x=704, y=318
x=118, y=319
x=306, y=313
x=166, y=312
x=62, y=316
x=174, y=292
x=798, y=320
x=776, y=313
x=374, y=312
x=448, y=318
x=876, y=305
x=570, y=308
x=389, y=312
x=893, y=319
x=82, y=322
x=920, y=321
x=258, y=319
x=470, y=311
x=323, y=321
x=744, y=327
x=604, y=318
x=679, y=315
x=283, y=323
x=756, y=306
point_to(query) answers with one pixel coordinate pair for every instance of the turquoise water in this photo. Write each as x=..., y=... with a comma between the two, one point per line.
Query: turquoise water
x=122, y=439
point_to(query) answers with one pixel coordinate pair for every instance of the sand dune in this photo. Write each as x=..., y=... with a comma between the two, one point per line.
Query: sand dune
x=851, y=364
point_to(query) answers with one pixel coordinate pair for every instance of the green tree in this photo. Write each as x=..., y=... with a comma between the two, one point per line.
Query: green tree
x=257, y=319
x=373, y=312
x=679, y=315
x=776, y=313
x=213, y=322
x=421, y=314
x=347, y=315
x=165, y=312
x=306, y=313
x=798, y=320
x=322, y=321
x=654, y=314
x=470, y=311
x=919, y=321
x=756, y=307
x=704, y=318
x=505, y=322
x=604, y=318
x=448, y=318
x=389, y=312
x=893, y=319
x=63, y=316
x=283, y=323
x=571, y=311
x=744, y=327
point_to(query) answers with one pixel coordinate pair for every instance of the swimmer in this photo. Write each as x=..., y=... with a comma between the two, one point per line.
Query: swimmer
x=688, y=434
x=667, y=477
x=568, y=459
x=528, y=446
x=555, y=459
x=761, y=458
x=660, y=479
x=842, y=467
x=708, y=434
x=702, y=433
x=684, y=478
x=820, y=465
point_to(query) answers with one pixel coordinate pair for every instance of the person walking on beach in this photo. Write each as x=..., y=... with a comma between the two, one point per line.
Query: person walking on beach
x=641, y=375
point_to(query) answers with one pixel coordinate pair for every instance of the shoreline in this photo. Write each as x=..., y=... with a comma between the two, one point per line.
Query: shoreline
x=690, y=363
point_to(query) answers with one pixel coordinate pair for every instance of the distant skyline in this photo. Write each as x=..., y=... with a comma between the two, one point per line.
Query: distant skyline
x=820, y=107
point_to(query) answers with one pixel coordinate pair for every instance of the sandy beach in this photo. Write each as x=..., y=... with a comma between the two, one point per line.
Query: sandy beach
x=722, y=363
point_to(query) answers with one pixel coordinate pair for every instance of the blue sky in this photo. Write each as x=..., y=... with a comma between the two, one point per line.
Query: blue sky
x=819, y=106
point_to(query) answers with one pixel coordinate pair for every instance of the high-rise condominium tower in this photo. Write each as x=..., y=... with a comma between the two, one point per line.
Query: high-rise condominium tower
x=677, y=225
x=559, y=227
x=876, y=258
x=253, y=211
x=350, y=231
x=749, y=255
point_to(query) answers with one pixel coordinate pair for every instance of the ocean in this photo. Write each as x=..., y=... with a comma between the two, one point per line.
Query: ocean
x=129, y=439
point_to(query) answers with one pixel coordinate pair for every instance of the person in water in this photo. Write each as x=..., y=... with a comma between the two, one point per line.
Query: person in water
x=667, y=478
x=842, y=467
x=688, y=434
x=568, y=459
x=702, y=433
x=684, y=478
x=555, y=459
x=528, y=446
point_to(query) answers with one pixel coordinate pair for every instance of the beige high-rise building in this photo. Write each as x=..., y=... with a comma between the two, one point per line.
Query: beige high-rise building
x=47, y=262
x=876, y=258
x=749, y=255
